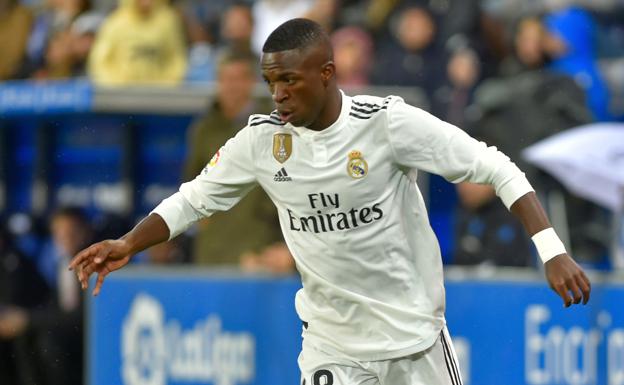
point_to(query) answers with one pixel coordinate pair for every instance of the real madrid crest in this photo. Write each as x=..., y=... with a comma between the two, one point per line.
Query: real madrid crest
x=356, y=166
x=282, y=147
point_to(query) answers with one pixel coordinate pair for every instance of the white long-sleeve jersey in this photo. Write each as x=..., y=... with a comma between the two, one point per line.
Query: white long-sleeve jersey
x=352, y=216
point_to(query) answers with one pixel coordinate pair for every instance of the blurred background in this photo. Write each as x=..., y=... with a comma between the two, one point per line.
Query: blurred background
x=106, y=107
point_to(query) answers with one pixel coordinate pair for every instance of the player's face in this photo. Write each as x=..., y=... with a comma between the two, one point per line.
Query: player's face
x=298, y=82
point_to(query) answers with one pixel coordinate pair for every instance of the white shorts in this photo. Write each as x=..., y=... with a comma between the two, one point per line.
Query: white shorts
x=437, y=365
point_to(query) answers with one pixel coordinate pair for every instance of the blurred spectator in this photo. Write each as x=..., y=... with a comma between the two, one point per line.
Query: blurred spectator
x=252, y=224
x=530, y=103
x=487, y=234
x=206, y=16
x=459, y=22
x=353, y=56
x=571, y=45
x=55, y=18
x=275, y=259
x=462, y=23
x=201, y=53
x=235, y=32
x=236, y=28
x=324, y=12
x=21, y=287
x=450, y=101
x=514, y=112
x=141, y=42
x=412, y=54
x=528, y=43
x=168, y=253
x=15, y=26
x=519, y=110
x=81, y=38
x=378, y=13
x=71, y=231
x=58, y=59
x=511, y=9
x=229, y=112
x=12, y=263
x=57, y=326
x=268, y=14
x=67, y=49
x=611, y=56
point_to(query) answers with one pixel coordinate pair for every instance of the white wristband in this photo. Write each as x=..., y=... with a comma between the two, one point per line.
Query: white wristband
x=548, y=244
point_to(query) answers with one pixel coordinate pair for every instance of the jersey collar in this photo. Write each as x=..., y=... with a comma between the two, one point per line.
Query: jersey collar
x=334, y=127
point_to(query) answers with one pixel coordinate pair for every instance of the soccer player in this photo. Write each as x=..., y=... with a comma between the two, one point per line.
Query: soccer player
x=342, y=173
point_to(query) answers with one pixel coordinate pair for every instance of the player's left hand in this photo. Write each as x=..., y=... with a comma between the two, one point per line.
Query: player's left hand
x=566, y=277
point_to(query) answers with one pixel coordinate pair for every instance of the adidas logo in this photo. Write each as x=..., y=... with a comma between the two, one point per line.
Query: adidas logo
x=282, y=176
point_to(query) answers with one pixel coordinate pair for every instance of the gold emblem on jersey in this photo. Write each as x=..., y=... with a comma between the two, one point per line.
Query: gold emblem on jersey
x=356, y=166
x=282, y=147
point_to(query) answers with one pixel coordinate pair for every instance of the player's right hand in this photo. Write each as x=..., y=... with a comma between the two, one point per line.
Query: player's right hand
x=101, y=258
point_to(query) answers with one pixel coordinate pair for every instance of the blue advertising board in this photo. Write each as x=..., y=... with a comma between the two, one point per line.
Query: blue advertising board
x=519, y=333
x=26, y=98
x=189, y=329
x=178, y=328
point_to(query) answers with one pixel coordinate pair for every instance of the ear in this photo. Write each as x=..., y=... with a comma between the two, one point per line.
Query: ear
x=328, y=71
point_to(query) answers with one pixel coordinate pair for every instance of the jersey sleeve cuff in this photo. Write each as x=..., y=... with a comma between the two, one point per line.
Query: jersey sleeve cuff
x=177, y=213
x=514, y=190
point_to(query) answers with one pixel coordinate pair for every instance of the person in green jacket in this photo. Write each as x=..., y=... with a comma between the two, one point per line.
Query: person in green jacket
x=249, y=234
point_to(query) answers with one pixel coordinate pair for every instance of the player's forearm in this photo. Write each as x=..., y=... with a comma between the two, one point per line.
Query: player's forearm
x=530, y=212
x=563, y=274
x=149, y=232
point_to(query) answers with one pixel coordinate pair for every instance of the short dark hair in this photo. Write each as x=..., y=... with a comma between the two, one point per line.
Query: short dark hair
x=294, y=34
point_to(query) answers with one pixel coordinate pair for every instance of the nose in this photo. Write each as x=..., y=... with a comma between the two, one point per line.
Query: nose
x=279, y=93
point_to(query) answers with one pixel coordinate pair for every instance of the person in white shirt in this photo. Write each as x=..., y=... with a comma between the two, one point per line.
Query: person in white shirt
x=341, y=172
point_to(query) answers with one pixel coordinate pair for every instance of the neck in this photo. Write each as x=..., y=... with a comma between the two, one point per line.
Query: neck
x=330, y=112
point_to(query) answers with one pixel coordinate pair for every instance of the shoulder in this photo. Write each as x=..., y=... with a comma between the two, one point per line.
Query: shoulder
x=367, y=106
x=261, y=128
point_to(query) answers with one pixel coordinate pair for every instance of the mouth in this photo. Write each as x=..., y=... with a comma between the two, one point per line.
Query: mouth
x=285, y=115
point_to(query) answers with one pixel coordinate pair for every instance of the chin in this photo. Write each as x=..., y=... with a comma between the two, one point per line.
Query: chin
x=299, y=122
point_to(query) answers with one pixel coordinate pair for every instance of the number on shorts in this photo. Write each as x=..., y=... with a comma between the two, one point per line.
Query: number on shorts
x=329, y=378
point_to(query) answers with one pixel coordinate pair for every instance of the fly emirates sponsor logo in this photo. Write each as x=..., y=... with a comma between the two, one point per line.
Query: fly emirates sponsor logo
x=330, y=216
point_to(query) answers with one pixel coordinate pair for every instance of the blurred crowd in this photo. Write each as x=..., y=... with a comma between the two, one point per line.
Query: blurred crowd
x=445, y=47
x=509, y=72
